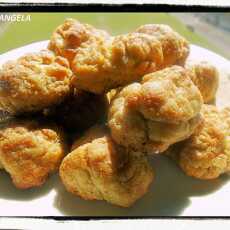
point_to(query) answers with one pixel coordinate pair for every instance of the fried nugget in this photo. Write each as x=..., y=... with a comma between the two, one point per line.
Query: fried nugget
x=29, y=151
x=206, y=154
x=79, y=111
x=33, y=82
x=69, y=36
x=161, y=110
x=98, y=169
x=205, y=77
x=175, y=47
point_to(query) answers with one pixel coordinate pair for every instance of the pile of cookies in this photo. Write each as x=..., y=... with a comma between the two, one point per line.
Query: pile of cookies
x=96, y=106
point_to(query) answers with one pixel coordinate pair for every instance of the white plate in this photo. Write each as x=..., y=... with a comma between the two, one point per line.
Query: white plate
x=171, y=194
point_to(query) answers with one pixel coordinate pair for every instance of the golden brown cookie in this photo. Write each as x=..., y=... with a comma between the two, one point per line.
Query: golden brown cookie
x=29, y=152
x=168, y=95
x=206, y=154
x=33, y=82
x=161, y=110
x=205, y=77
x=70, y=35
x=98, y=169
x=175, y=47
x=108, y=63
x=117, y=61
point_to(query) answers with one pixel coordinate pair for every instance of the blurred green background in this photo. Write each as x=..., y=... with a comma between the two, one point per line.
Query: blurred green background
x=16, y=34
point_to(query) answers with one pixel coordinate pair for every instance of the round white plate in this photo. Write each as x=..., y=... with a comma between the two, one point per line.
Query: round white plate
x=171, y=194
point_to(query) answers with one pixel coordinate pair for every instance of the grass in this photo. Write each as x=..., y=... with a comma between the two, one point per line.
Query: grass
x=42, y=24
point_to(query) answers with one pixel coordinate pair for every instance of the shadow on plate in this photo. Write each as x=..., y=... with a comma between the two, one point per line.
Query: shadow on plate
x=9, y=192
x=169, y=195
